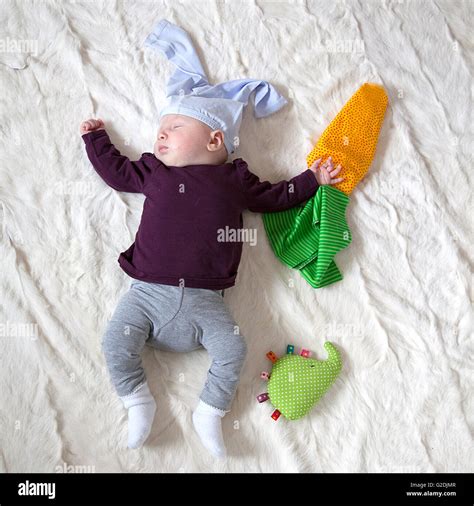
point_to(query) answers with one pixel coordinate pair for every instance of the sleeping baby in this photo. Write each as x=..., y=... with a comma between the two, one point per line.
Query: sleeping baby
x=178, y=263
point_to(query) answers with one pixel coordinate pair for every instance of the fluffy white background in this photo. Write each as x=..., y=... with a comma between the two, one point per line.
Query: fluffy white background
x=401, y=316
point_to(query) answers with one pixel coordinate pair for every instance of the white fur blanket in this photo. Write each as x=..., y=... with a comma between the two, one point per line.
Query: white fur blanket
x=401, y=316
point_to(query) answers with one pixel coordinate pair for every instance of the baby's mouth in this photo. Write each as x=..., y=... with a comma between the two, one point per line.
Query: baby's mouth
x=162, y=149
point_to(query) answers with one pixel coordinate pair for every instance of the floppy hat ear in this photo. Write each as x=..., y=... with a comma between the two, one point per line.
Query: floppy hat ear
x=176, y=44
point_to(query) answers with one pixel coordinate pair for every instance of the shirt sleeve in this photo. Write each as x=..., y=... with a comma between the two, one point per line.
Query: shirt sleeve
x=114, y=168
x=263, y=196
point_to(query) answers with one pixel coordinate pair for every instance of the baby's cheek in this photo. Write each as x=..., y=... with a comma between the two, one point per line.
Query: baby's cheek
x=196, y=143
x=186, y=144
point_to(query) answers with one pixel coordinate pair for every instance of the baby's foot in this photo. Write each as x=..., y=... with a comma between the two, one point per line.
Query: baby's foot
x=141, y=411
x=207, y=422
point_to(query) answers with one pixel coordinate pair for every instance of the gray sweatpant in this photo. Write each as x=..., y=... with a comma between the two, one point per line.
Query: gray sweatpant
x=174, y=318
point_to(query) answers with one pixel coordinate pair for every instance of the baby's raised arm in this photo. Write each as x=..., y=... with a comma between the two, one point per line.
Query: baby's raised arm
x=114, y=168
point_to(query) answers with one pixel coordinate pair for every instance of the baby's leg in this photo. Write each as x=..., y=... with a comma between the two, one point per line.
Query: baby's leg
x=122, y=344
x=227, y=349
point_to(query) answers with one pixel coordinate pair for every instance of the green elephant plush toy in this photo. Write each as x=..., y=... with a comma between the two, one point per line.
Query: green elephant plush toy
x=297, y=382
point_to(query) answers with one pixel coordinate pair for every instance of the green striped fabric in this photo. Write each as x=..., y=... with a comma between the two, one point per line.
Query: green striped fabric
x=307, y=237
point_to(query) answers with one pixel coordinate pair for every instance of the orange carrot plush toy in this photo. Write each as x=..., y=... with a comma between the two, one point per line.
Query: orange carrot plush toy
x=308, y=236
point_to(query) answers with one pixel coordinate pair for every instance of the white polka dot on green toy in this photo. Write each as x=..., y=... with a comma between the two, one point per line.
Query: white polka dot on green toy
x=297, y=383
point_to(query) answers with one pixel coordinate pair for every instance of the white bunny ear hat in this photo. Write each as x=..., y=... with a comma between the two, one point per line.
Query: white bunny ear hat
x=190, y=94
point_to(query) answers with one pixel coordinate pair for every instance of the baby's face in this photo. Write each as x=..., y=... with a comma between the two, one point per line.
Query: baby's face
x=182, y=141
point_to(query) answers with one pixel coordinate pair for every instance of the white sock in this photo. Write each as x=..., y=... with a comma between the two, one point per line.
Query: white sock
x=141, y=411
x=207, y=422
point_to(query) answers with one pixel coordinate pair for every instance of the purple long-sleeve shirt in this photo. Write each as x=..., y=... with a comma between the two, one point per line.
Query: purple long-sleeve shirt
x=186, y=211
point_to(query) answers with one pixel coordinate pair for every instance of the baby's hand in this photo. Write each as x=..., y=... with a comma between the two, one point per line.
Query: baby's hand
x=324, y=174
x=90, y=125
